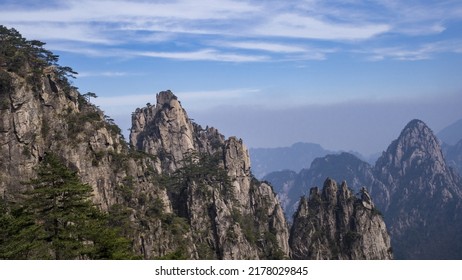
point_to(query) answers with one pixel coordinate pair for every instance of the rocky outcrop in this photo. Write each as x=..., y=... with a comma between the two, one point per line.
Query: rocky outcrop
x=340, y=167
x=424, y=196
x=231, y=214
x=333, y=223
x=288, y=192
x=41, y=113
x=208, y=214
x=166, y=131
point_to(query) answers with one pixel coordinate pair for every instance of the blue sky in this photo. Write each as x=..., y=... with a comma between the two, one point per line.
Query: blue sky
x=346, y=74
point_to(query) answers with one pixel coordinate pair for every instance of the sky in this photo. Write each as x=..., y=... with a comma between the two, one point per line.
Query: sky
x=345, y=74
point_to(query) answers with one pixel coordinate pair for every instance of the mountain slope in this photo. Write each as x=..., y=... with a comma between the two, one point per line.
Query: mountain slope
x=334, y=224
x=424, y=196
x=42, y=113
x=232, y=215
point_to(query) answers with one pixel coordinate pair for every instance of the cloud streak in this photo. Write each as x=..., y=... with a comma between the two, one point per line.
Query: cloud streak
x=297, y=26
x=419, y=52
x=258, y=31
x=204, y=54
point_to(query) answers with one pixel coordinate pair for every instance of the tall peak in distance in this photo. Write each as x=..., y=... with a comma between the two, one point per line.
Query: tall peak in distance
x=423, y=196
x=415, y=134
x=416, y=145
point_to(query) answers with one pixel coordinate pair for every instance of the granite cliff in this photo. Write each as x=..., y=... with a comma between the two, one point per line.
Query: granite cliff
x=333, y=223
x=423, y=196
x=232, y=215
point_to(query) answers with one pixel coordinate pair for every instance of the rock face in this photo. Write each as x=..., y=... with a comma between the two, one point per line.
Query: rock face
x=238, y=219
x=424, y=196
x=41, y=113
x=333, y=223
x=211, y=217
x=340, y=167
x=166, y=131
x=288, y=193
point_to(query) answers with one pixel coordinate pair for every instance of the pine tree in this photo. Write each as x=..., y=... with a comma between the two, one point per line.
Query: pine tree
x=57, y=220
x=20, y=237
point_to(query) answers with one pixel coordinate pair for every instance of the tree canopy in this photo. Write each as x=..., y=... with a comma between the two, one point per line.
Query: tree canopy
x=16, y=53
x=57, y=220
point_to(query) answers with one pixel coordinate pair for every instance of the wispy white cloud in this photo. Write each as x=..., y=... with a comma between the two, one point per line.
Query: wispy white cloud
x=286, y=51
x=262, y=46
x=64, y=32
x=420, y=52
x=297, y=26
x=204, y=54
x=206, y=16
x=246, y=25
x=412, y=17
x=124, y=10
x=107, y=74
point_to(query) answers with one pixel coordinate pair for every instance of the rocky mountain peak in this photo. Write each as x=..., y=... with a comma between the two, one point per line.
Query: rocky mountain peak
x=416, y=153
x=166, y=131
x=416, y=144
x=338, y=225
x=165, y=98
x=423, y=195
x=227, y=209
x=329, y=191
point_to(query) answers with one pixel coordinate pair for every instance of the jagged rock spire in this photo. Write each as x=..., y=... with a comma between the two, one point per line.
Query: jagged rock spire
x=337, y=225
x=240, y=211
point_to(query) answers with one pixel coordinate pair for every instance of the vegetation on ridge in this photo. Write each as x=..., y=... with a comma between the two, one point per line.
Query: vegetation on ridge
x=56, y=219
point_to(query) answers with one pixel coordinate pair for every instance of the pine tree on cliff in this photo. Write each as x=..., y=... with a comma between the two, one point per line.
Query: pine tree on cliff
x=57, y=220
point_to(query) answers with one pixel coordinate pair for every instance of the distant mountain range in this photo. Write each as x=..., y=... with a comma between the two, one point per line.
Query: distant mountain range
x=418, y=193
x=452, y=133
x=296, y=157
x=453, y=155
x=451, y=138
